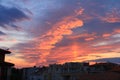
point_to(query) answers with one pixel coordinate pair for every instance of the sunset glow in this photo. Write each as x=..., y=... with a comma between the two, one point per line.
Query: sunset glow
x=43, y=32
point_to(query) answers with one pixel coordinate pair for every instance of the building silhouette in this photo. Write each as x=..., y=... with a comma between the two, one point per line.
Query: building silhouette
x=74, y=71
x=5, y=67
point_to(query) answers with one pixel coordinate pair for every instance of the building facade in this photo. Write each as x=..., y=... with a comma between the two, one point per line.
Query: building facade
x=60, y=72
x=76, y=71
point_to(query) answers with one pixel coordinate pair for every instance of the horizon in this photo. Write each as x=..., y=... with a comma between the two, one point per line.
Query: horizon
x=90, y=64
x=43, y=32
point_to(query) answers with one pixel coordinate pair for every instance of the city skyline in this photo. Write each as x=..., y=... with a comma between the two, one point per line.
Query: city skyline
x=43, y=32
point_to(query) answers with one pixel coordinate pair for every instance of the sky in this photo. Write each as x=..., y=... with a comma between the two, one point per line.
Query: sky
x=43, y=32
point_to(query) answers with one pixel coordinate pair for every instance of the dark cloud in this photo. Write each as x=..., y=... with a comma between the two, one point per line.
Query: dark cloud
x=8, y=16
x=100, y=27
x=114, y=60
x=2, y=33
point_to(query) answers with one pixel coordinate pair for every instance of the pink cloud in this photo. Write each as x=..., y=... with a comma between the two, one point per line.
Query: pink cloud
x=112, y=17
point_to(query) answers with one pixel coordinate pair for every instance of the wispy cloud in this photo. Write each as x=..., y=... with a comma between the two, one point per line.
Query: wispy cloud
x=8, y=16
x=2, y=33
x=113, y=60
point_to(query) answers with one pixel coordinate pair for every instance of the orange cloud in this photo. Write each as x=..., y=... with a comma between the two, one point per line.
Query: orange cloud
x=89, y=39
x=87, y=36
x=106, y=35
x=117, y=30
x=112, y=17
x=54, y=35
x=70, y=53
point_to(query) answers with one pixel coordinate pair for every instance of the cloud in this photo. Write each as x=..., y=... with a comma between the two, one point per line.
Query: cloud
x=106, y=35
x=56, y=34
x=2, y=33
x=117, y=30
x=68, y=52
x=89, y=39
x=112, y=17
x=85, y=35
x=8, y=17
x=49, y=39
x=113, y=60
x=59, y=30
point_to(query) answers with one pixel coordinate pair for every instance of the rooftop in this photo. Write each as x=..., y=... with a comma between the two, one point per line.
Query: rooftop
x=6, y=64
x=3, y=51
